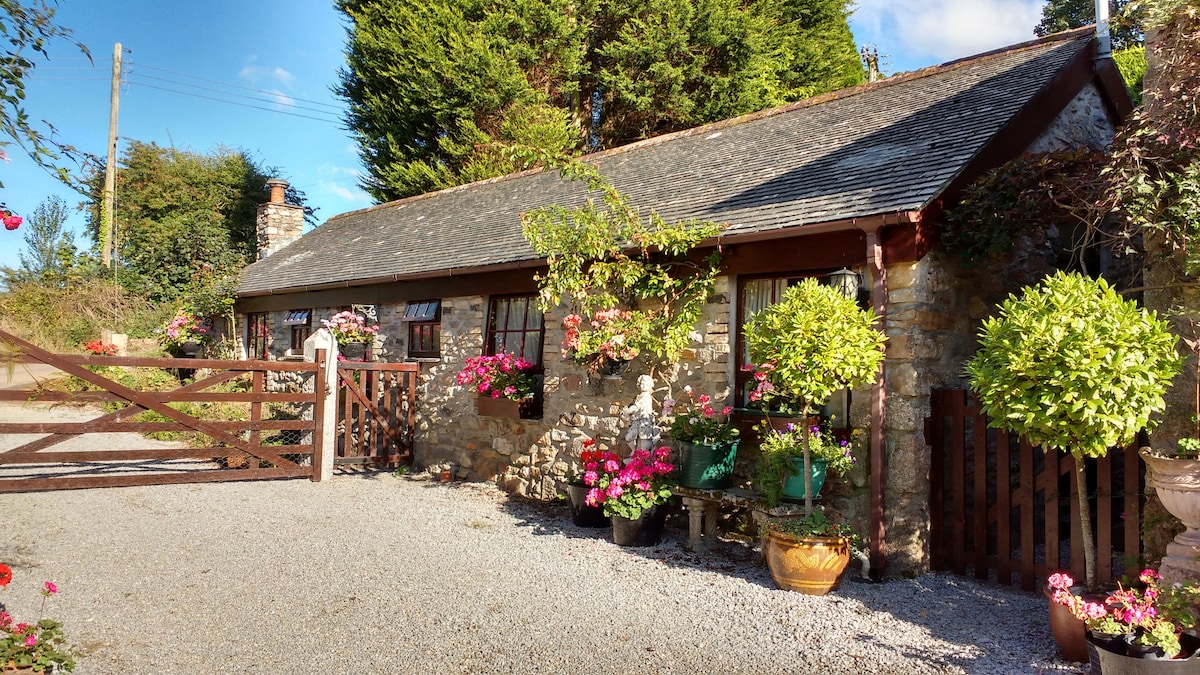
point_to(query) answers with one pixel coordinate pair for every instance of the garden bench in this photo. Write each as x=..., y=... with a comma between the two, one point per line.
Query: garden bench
x=704, y=505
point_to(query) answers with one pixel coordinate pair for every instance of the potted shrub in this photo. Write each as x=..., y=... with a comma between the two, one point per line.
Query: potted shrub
x=706, y=440
x=1070, y=365
x=504, y=384
x=354, y=337
x=634, y=493
x=808, y=554
x=780, y=470
x=184, y=335
x=811, y=344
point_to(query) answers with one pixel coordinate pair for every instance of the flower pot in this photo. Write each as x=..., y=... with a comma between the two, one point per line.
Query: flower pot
x=810, y=565
x=793, y=485
x=704, y=466
x=1113, y=642
x=647, y=530
x=1068, y=631
x=1177, y=482
x=582, y=514
x=189, y=350
x=353, y=351
x=1113, y=663
x=504, y=407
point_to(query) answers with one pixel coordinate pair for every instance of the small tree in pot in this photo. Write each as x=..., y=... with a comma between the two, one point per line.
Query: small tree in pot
x=816, y=342
x=1070, y=365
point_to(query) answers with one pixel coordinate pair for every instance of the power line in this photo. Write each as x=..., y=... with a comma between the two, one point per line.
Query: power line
x=244, y=105
x=228, y=84
x=228, y=93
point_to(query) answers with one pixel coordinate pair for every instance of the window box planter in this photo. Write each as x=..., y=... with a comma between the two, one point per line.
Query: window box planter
x=504, y=407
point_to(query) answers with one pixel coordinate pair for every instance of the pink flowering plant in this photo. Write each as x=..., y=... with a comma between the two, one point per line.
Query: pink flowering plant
x=628, y=488
x=349, y=327
x=695, y=420
x=40, y=646
x=500, y=376
x=184, y=327
x=1151, y=616
x=610, y=334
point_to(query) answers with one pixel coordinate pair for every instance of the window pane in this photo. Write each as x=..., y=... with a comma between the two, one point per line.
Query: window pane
x=516, y=314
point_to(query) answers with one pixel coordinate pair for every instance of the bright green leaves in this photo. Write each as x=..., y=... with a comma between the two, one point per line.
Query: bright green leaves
x=818, y=340
x=607, y=256
x=1071, y=365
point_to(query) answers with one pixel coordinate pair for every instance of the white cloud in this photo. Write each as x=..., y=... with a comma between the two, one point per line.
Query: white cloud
x=915, y=33
x=354, y=196
x=257, y=74
x=281, y=98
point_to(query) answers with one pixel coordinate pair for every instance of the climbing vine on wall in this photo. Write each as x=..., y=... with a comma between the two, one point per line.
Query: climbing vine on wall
x=632, y=282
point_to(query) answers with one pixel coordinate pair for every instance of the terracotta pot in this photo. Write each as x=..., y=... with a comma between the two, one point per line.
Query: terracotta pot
x=1068, y=631
x=810, y=565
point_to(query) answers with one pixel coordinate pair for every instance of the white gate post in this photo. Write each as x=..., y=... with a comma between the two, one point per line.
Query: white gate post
x=323, y=339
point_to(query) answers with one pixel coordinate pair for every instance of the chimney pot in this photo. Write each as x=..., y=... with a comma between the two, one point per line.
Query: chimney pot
x=278, y=187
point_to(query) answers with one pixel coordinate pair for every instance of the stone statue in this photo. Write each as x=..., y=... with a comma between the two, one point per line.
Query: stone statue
x=644, y=432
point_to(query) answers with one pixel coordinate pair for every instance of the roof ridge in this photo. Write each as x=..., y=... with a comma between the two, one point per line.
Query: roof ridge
x=840, y=94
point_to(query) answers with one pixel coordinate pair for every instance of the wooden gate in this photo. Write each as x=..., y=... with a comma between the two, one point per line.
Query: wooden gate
x=276, y=438
x=1003, y=506
x=377, y=413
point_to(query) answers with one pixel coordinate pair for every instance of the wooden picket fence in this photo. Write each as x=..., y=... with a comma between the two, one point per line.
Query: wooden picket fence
x=1002, y=507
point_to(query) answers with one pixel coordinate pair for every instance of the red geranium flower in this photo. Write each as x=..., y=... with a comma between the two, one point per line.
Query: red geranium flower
x=5, y=575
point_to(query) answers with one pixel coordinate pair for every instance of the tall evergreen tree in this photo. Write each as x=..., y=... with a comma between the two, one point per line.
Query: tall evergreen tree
x=180, y=213
x=438, y=88
x=1125, y=19
x=49, y=251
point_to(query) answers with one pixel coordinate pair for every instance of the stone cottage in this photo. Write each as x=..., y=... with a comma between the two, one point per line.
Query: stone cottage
x=855, y=179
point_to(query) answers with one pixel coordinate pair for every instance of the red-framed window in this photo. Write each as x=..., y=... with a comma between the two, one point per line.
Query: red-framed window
x=515, y=325
x=258, y=335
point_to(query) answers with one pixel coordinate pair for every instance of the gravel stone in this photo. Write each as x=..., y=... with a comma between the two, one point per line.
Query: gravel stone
x=375, y=573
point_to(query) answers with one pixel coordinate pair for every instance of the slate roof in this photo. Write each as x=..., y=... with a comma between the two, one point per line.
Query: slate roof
x=883, y=148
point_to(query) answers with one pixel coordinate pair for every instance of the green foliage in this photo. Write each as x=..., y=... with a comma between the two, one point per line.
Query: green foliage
x=1124, y=26
x=61, y=319
x=25, y=31
x=1155, y=167
x=1028, y=196
x=1071, y=365
x=815, y=524
x=437, y=89
x=779, y=448
x=1132, y=64
x=184, y=217
x=819, y=341
x=629, y=277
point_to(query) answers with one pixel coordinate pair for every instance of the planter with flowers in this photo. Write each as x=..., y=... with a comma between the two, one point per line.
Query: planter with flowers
x=808, y=554
x=1071, y=365
x=38, y=647
x=706, y=440
x=817, y=342
x=354, y=337
x=582, y=513
x=634, y=493
x=780, y=470
x=1134, y=625
x=184, y=335
x=504, y=384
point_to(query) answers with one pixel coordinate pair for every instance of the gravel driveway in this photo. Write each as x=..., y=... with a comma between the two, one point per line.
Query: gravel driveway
x=376, y=573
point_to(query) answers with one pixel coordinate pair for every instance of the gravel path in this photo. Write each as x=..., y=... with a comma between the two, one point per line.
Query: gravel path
x=382, y=574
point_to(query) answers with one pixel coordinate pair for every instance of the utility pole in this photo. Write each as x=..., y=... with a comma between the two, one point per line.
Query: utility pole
x=110, y=168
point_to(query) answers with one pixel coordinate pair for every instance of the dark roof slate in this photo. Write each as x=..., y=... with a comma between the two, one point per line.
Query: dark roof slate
x=877, y=149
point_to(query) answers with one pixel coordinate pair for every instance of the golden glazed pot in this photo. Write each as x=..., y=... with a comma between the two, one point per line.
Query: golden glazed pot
x=811, y=565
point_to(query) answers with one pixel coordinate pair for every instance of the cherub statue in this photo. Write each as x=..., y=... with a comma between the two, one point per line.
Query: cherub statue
x=644, y=432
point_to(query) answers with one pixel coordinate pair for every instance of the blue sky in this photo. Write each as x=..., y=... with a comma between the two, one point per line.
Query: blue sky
x=289, y=52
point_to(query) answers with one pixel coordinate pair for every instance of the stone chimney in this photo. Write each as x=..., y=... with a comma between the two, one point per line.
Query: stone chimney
x=279, y=223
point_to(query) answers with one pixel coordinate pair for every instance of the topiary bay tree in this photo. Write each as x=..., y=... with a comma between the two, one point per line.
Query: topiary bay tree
x=1070, y=365
x=814, y=342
